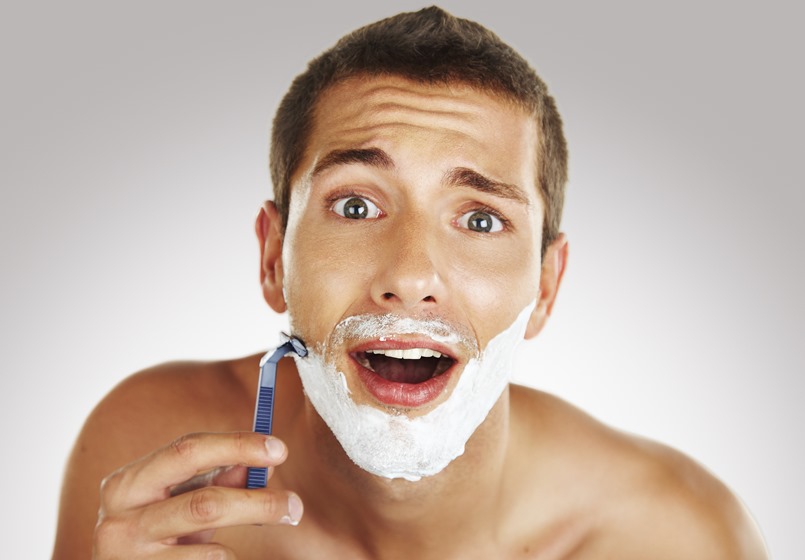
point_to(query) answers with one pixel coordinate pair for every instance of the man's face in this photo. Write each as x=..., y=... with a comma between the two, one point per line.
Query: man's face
x=418, y=201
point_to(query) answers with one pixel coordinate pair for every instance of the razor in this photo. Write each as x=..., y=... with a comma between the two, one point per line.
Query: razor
x=257, y=477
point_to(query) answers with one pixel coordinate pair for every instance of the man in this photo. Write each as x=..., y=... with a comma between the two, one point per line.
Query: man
x=419, y=169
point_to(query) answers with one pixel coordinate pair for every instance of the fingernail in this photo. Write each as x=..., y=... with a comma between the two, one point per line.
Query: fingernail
x=295, y=511
x=276, y=449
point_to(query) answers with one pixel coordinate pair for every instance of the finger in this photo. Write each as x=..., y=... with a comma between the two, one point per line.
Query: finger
x=113, y=539
x=234, y=477
x=217, y=507
x=198, y=481
x=203, y=537
x=150, y=478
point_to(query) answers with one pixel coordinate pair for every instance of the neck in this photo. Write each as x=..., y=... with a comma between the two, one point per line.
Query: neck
x=388, y=517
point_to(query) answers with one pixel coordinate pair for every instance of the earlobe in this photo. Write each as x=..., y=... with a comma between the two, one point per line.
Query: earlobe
x=553, y=268
x=268, y=228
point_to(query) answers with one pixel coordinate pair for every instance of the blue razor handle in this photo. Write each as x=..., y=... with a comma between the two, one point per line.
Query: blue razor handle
x=264, y=409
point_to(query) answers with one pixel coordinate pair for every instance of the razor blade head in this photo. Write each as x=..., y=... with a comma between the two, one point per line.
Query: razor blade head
x=296, y=343
x=298, y=346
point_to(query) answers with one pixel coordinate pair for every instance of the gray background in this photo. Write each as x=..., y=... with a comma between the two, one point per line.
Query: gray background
x=134, y=140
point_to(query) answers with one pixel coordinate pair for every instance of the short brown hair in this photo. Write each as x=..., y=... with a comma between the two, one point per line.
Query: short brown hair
x=428, y=46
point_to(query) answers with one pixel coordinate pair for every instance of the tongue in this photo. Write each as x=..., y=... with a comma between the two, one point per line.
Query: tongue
x=403, y=371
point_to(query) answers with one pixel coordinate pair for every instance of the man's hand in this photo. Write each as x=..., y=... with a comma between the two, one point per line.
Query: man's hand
x=169, y=503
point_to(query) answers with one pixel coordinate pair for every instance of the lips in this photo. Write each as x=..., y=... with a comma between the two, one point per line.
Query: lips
x=403, y=376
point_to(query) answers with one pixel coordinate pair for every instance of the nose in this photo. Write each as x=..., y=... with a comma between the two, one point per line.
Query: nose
x=407, y=275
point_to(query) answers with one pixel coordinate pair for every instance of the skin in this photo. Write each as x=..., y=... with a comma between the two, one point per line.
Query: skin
x=539, y=478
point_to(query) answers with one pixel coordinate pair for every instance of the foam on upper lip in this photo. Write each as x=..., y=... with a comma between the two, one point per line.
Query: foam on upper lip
x=403, y=338
x=380, y=327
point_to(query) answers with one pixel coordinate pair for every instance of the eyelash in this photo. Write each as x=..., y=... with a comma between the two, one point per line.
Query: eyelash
x=349, y=193
x=505, y=222
x=340, y=195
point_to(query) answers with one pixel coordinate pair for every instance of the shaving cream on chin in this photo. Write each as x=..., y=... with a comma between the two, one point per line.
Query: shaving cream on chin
x=395, y=446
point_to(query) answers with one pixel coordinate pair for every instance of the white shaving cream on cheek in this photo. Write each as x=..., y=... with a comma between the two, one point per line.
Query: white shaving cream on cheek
x=395, y=446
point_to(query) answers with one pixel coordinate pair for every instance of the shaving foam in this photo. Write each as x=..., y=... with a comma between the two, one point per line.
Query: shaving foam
x=362, y=327
x=394, y=445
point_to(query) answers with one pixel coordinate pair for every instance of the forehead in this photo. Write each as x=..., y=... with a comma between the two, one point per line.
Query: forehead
x=453, y=123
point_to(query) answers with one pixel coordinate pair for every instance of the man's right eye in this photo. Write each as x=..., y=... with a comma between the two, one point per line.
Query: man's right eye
x=356, y=208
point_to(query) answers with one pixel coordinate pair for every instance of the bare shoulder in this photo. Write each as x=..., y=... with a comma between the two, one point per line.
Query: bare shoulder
x=626, y=496
x=166, y=401
x=144, y=412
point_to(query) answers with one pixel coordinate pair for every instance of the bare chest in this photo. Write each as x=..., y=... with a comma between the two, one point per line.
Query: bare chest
x=565, y=542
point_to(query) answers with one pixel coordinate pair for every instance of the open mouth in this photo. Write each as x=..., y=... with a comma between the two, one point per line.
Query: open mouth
x=411, y=365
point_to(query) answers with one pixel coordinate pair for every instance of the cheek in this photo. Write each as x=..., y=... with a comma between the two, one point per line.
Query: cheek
x=323, y=276
x=495, y=287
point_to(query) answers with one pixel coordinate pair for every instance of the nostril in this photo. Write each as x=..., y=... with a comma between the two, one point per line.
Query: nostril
x=391, y=296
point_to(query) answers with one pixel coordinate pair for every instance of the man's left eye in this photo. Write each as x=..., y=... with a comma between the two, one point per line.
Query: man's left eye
x=356, y=208
x=478, y=220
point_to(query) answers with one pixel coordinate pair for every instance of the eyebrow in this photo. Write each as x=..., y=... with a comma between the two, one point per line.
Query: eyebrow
x=464, y=177
x=456, y=177
x=374, y=157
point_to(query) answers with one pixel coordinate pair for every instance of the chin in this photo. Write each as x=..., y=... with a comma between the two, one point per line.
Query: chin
x=417, y=390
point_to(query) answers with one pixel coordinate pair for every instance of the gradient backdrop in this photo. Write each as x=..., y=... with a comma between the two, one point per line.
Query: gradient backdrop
x=134, y=139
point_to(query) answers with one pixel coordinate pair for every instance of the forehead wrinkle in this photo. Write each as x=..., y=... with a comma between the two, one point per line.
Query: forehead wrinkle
x=457, y=114
x=395, y=98
x=376, y=110
x=430, y=111
x=457, y=99
x=465, y=177
x=370, y=119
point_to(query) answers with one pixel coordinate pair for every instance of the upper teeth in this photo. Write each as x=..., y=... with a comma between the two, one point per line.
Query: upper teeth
x=408, y=354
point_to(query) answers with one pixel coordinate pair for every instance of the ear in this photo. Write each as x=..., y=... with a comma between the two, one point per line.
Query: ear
x=268, y=227
x=553, y=268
